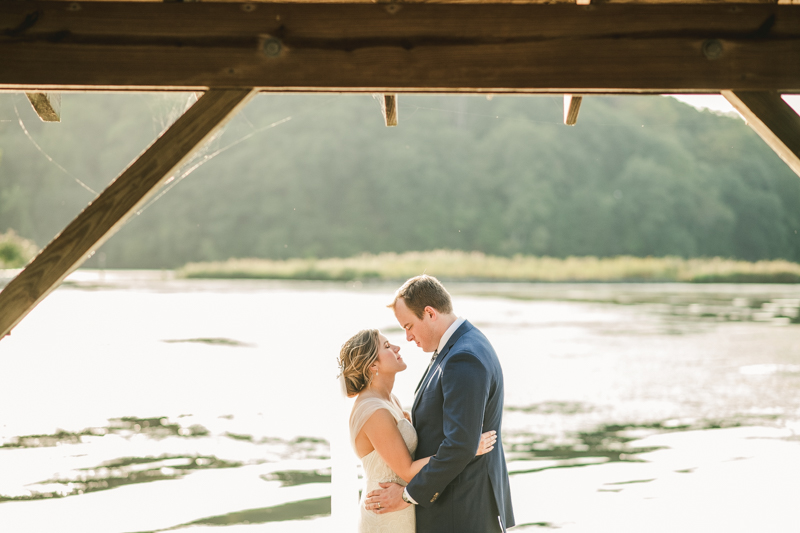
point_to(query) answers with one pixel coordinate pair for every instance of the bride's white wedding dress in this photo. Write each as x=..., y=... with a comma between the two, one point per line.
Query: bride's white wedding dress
x=377, y=471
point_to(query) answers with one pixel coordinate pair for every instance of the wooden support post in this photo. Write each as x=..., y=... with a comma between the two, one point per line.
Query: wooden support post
x=572, y=105
x=774, y=121
x=109, y=211
x=46, y=105
x=389, y=106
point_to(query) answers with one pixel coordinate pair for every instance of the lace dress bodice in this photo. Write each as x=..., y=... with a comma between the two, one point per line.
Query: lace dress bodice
x=376, y=470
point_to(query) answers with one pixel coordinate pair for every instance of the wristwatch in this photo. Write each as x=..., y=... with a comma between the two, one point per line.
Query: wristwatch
x=407, y=498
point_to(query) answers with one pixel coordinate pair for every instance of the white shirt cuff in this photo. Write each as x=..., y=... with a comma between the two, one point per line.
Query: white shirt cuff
x=412, y=500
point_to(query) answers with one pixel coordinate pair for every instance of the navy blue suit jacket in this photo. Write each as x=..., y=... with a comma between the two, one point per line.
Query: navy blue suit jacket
x=461, y=397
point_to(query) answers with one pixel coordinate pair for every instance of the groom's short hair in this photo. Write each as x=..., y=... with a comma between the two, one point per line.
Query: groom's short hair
x=422, y=291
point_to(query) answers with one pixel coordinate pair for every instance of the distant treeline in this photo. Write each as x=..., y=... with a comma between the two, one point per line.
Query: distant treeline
x=638, y=176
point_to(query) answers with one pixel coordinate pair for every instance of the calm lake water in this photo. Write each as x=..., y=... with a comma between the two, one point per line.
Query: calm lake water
x=131, y=402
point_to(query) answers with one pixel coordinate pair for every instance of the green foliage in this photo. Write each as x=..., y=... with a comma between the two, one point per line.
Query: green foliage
x=638, y=176
x=15, y=252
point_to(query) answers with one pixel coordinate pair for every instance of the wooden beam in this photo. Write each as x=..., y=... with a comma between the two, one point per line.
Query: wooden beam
x=572, y=105
x=46, y=105
x=109, y=211
x=391, y=48
x=252, y=2
x=389, y=107
x=774, y=121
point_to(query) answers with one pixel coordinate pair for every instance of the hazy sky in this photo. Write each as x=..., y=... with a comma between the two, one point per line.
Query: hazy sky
x=717, y=102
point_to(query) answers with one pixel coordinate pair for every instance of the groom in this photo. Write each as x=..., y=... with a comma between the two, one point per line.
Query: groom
x=459, y=397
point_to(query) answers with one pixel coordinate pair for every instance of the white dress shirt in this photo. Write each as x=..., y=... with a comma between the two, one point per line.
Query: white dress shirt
x=449, y=333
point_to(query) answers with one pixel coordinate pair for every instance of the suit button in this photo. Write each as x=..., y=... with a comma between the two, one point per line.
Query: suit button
x=434, y=497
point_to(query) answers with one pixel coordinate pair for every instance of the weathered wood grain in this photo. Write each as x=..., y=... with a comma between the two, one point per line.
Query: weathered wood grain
x=389, y=107
x=390, y=48
x=109, y=211
x=253, y=2
x=46, y=105
x=572, y=106
x=774, y=121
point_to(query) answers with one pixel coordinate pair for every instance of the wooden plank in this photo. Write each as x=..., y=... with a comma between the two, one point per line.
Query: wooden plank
x=572, y=105
x=391, y=48
x=774, y=121
x=254, y=2
x=389, y=107
x=109, y=211
x=46, y=105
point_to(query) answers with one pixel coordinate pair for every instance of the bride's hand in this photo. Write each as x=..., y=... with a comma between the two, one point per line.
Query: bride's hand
x=488, y=441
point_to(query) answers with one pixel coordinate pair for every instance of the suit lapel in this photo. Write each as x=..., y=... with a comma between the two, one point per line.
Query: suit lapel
x=428, y=377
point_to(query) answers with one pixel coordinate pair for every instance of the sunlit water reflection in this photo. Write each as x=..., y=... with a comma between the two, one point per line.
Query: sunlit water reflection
x=131, y=402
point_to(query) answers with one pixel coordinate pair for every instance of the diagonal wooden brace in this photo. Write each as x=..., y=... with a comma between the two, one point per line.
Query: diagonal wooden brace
x=123, y=197
x=774, y=121
x=46, y=105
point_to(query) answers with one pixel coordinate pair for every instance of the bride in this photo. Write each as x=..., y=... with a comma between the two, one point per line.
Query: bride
x=381, y=433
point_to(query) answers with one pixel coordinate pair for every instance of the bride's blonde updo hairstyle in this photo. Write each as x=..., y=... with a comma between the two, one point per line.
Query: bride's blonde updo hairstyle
x=355, y=358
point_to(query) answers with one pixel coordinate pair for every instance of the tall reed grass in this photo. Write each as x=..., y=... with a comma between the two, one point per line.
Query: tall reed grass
x=476, y=266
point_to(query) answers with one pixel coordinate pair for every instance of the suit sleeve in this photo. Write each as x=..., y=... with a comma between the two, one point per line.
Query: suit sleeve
x=465, y=386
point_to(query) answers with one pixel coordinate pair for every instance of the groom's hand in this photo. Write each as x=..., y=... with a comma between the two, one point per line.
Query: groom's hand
x=386, y=500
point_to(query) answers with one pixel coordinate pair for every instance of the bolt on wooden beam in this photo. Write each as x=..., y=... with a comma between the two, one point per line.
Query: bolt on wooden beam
x=774, y=121
x=389, y=107
x=572, y=105
x=46, y=105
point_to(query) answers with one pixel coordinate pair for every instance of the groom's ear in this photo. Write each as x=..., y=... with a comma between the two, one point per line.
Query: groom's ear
x=430, y=311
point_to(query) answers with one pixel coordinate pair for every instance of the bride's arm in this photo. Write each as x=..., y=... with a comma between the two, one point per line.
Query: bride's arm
x=381, y=430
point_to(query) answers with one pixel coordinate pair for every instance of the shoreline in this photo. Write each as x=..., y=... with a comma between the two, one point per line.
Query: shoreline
x=453, y=266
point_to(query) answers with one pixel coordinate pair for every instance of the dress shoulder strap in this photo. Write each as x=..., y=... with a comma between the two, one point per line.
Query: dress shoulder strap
x=365, y=408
